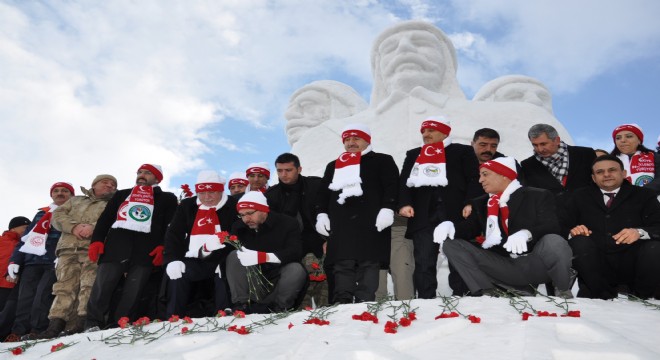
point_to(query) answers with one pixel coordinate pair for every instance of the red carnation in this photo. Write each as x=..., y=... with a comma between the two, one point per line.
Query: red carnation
x=290, y=325
x=473, y=319
x=239, y=314
x=221, y=313
x=526, y=316
x=187, y=320
x=572, y=313
x=173, y=318
x=123, y=322
x=184, y=330
x=404, y=322
x=412, y=315
x=17, y=350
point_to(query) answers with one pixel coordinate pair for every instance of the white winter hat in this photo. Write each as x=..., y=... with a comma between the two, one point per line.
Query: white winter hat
x=258, y=168
x=238, y=178
x=505, y=166
x=209, y=180
x=253, y=200
x=358, y=129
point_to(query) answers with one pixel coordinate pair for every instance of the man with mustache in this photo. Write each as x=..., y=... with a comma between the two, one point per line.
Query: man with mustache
x=128, y=243
x=76, y=219
x=356, y=203
x=34, y=260
x=436, y=182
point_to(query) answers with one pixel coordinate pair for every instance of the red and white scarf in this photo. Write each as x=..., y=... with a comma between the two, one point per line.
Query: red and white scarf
x=430, y=168
x=640, y=167
x=206, y=225
x=347, y=175
x=497, y=204
x=34, y=242
x=136, y=212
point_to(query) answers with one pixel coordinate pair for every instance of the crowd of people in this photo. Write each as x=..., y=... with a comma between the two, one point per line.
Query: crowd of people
x=567, y=212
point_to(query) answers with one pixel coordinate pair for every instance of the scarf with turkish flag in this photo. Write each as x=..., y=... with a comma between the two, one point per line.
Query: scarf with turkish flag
x=34, y=242
x=205, y=227
x=347, y=175
x=430, y=168
x=136, y=212
x=498, y=210
x=640, y=167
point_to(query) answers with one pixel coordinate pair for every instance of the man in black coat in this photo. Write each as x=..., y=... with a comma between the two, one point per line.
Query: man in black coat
x=356, y=209
x=614, y=233
x=436, y=182
x=193, y=251
x=295, y=195
x=556, y=166
x=128, y=242
x=271, y=243
x=518, y=227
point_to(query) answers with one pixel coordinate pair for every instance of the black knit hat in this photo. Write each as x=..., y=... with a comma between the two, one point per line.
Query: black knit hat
x=18, y=221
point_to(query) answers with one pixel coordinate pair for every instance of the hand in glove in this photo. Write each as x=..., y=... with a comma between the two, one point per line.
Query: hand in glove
x=12, y=270
x=213, y=244
x=517, y=243
x=384, y=219
x=443, y=231
x=157, y=253
x=175, y=269
x=95, y=250
x=323, y=224
x=249, y=257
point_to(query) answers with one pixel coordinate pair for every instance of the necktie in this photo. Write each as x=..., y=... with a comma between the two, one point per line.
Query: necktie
x=611, y=198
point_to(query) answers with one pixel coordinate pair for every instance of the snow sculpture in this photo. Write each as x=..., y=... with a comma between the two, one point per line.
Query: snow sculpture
x=516, y=88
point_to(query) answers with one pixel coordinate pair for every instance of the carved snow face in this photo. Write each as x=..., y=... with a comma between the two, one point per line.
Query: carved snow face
x=412, y=58
x=308, y=109
x=525, y=92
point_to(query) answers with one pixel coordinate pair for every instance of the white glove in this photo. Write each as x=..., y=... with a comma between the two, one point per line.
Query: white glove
x=218, y=271
x=443, y=231
x=213, y=244
x=517, y=243
x=323, y=224
x=175, y=269
x=384, y=219
x=248, y=257
x=12, y=270
x=55, y=262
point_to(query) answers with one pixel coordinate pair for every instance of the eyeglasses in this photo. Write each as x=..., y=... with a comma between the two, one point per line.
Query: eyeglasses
x=240, y=216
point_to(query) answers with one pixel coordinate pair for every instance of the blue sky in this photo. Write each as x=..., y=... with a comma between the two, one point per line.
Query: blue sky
x=91, y=87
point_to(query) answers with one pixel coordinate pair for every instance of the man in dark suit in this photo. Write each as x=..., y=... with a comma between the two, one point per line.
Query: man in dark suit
x=193, y=252
x=356, y=209
x=519, y=227
x=436, y=182
x=556, y=166
x=614, y=233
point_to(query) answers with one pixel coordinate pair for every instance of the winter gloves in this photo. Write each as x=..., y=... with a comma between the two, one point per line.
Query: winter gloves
x=175, y=269
x=95, y=250
x=157, y=253
x=12, y=270
x=443, y=231
x=323, y=224
x=517, y=242
x=249, y=257
x=384, y=219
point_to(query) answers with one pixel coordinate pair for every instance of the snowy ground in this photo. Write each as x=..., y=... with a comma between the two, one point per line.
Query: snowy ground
x=618, y=329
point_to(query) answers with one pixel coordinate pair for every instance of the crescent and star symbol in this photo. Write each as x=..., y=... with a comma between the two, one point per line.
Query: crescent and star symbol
x=436, y=151
x=341, y=157
x=203, y=221
x=492, y=201
x=46, y=224
x=141, y=188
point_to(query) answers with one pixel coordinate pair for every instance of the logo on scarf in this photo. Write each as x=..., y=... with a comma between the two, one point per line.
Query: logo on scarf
x=432, y=171
x=643, y=180
x=37, y=241
x=139, y=213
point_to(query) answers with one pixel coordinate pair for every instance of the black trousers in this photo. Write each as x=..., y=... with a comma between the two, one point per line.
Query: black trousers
x=35, y=296
x=108, y=276
x=355, y=279
x=599, y=272
x=179, y=290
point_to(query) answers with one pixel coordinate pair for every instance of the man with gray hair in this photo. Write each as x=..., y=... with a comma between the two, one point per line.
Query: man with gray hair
x=555, y=165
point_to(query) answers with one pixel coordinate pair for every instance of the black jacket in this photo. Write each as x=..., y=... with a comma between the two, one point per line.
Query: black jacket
x=579, y=171
x=279, y=234
x=299, y=201
x=122, y=244
x=435, y=204
x=632, y=207
x=529, y=209
x=177, y=237
x=353, y=234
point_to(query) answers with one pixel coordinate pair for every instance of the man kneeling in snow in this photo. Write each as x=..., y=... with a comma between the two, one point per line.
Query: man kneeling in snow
x=271, y=245
x=521, y=248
